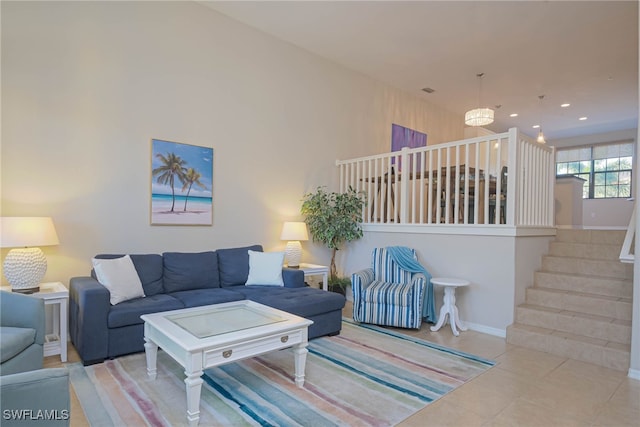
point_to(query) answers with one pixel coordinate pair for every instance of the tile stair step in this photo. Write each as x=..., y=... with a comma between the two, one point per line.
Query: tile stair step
x=622, y=288
x=589, y=267
x=578, y=323
x=585, y=250
x=599, y=305
x=581, y=303
x=599, y=352
x=612, y=237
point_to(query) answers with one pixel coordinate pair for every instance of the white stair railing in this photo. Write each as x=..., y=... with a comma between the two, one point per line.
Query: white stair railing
x=498, y=180
x=627, y=250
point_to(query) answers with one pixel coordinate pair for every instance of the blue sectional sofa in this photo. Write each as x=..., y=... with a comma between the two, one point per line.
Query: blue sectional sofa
x=176, y=280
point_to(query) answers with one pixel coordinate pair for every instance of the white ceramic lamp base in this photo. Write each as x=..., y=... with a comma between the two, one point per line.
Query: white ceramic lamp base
x=24, y=269
x=293, y=254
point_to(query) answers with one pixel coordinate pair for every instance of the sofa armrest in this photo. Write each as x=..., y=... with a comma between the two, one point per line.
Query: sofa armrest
x=293, y=278
x=33, y=393
x=22, y=311
x=88, y=311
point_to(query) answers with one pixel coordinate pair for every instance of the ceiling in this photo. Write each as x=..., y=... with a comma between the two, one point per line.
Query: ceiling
x=582, y=53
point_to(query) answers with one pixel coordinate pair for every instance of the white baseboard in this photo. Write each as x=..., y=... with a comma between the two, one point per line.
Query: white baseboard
x=502, y=333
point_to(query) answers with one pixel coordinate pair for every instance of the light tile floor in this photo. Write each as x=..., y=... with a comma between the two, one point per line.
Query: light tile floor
x=525, y=388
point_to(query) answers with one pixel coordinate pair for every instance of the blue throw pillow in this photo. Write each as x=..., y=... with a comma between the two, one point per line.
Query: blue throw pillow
x=234, y=265
x=184, y=271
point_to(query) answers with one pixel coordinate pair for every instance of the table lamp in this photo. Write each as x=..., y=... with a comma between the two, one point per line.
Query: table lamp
x=26, y=265
x=294, y=232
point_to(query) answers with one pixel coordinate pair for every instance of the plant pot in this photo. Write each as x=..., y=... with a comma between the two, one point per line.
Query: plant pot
x=337, y=289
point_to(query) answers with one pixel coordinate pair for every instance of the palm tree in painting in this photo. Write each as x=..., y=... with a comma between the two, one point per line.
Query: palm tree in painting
x=191, y=177
x=172, y=168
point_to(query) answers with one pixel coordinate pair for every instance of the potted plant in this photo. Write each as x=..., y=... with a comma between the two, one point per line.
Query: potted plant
x=338, y=284
x=334, y=219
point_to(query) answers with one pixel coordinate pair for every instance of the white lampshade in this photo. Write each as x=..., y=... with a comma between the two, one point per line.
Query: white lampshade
x=294, y=232
x=25, y=266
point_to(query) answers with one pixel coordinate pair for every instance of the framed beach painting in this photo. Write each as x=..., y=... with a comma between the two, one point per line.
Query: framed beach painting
x=181, y=184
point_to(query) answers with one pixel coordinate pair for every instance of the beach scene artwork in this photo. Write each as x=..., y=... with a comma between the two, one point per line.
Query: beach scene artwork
x=181, y=184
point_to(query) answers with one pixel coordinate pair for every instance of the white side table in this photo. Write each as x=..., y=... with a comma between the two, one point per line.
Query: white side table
x=316, y=270
x=449, y=304
x=54, y=293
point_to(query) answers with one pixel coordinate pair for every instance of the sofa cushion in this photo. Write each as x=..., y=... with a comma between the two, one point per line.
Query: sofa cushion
x=234, y=265
x=184, y=271
x=120, y=277
x=14, y=341
x=129, y=312
x=149, y=268
x=305, y=302
x=265, y=268
x=199, y=297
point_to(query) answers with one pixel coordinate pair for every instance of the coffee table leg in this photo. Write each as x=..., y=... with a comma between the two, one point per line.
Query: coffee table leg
x=300, y=353
x=194, y=386
x=151, y=351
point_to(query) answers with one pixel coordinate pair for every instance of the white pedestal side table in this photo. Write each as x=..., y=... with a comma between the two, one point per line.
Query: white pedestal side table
x=316, y=270
x=449, y=308
x=54, y=293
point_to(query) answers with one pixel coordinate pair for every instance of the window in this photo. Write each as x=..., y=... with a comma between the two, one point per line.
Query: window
x=606, y=169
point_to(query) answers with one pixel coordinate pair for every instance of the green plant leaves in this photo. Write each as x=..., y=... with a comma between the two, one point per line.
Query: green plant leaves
x=334, y=218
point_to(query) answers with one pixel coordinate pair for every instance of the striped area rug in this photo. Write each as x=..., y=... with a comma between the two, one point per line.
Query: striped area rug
x=366, y=376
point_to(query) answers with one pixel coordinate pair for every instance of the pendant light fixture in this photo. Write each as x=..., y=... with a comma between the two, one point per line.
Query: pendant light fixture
x=479, y=116
x=540, y=138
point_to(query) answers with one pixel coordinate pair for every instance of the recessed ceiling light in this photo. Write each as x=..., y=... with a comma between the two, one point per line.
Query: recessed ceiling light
x=513, y=115
x=565, y=105
x=582, y=118
x=536, y=126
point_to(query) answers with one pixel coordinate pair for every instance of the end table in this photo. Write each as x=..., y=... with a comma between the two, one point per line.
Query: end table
x=449, y=304
x=54, y=293
x=316, y=270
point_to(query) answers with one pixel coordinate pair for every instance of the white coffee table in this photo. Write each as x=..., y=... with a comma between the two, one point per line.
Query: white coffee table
x=449, y=303
x=203, y=337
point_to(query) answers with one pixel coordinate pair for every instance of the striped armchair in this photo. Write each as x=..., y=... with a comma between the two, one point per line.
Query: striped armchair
x=386, y=294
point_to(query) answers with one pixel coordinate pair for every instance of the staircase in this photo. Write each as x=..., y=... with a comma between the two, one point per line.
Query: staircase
x=580, y=303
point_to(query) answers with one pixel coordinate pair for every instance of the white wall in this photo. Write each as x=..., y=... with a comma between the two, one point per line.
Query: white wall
x=86, y=85
x=606, y=213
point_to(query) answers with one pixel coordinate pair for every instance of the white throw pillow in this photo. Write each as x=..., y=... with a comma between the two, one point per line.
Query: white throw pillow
x=120, y=277
x=265, y=268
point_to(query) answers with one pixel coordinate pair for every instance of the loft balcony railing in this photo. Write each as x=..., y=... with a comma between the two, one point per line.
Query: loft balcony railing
x=501, y=180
